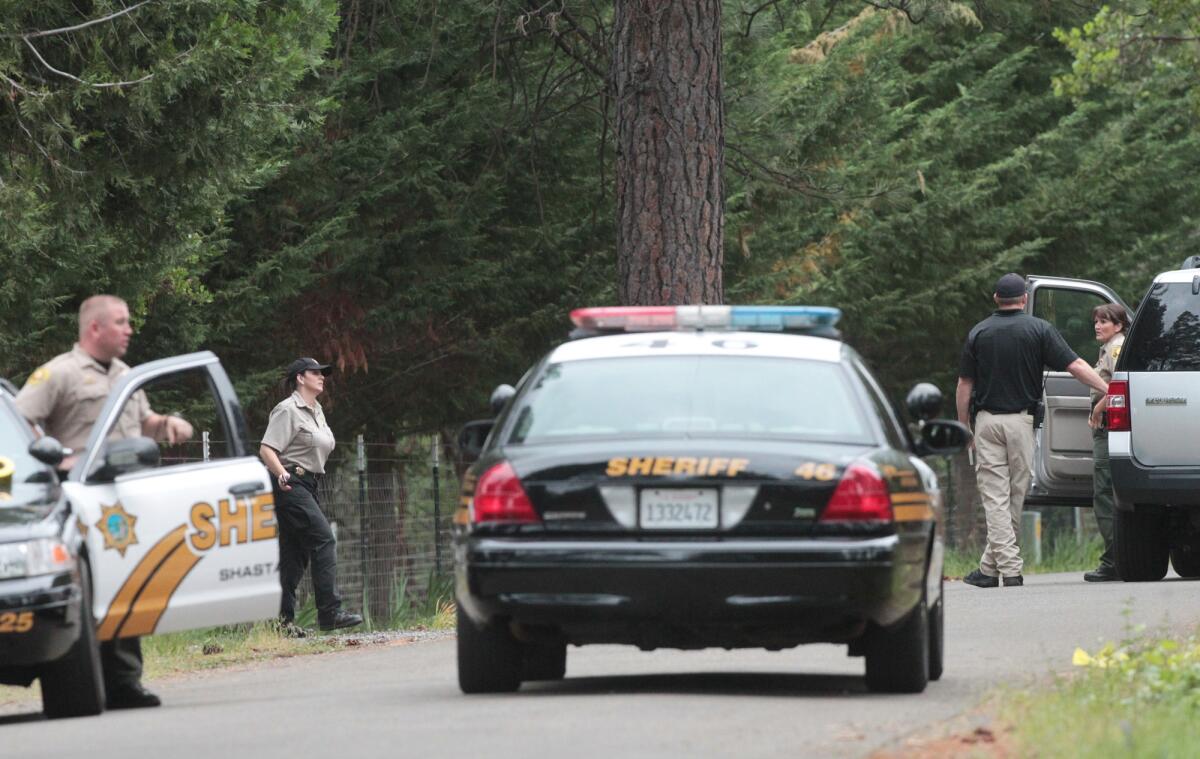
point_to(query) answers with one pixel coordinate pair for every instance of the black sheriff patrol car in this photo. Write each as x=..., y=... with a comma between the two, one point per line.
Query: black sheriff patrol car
x=700, y=476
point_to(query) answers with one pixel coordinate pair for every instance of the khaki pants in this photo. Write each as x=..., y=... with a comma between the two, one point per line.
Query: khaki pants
x=1003, y=461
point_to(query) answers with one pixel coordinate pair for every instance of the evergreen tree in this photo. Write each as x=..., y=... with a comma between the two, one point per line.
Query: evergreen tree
x=127, y=131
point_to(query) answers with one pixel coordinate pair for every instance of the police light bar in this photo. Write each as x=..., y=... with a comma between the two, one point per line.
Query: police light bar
x=662, y=318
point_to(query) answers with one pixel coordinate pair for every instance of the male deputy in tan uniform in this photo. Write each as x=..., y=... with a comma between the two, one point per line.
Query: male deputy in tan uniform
x=1001, y=370
x=64, y=398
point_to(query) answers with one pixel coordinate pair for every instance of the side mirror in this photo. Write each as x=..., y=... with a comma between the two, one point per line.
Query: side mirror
x=942, y=437
x=924, y=401
x=127, y=455
x=49, y=451
x=500, y=398
x=472, y=436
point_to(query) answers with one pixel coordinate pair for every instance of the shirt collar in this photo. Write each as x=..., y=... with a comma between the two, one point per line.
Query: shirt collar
x=300, y=402
x=89, y=362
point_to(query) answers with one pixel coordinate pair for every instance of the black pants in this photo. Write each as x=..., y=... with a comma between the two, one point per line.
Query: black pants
x=121, y=660
x=304, y=536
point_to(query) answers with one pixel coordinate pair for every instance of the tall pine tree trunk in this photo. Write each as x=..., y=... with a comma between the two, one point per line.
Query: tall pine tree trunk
x=670, y=117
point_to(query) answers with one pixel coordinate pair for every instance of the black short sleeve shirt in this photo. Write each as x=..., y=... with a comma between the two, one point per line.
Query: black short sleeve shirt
x=1005, y=355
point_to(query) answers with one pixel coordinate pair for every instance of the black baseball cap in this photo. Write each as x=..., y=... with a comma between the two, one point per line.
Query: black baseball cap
x=308, y=364
x=1010, y=286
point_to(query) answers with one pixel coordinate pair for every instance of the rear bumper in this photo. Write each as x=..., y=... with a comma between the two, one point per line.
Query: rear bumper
x=731, y=593
x=39, y=620
x=1137, y=484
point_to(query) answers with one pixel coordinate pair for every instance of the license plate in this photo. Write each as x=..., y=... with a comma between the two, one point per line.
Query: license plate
x=678, y=508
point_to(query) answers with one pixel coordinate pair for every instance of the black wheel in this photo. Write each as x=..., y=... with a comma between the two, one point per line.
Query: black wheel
x=937, y=635
x=898, y=656
x=1141, y=549
x=489, y=658
x=1186, y=559
x=545, y=661
x=73, y=686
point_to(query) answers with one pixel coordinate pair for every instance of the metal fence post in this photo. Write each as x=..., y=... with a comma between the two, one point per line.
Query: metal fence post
x=362, y=510
x=437, y=508
x=204, y=442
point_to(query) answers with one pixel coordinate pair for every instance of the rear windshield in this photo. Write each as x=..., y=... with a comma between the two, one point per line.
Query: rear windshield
x=1165, y=336
x=691, y=396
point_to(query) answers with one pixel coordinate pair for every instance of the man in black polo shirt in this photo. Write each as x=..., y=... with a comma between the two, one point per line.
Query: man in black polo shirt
x=1001, y=369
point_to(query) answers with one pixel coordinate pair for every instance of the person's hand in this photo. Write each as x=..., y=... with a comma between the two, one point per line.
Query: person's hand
x=1094, y=419
x=178, y=430
x=283, y=481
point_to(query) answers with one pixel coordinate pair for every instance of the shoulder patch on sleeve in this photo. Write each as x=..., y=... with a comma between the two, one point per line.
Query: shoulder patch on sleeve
x=1116, y=351
x=40, y=375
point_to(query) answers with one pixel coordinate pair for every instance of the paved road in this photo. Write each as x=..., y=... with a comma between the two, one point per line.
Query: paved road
x=403, y=700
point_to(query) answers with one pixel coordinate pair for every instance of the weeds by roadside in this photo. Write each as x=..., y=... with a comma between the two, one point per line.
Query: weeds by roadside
x=217, y=647
x=1139, y=698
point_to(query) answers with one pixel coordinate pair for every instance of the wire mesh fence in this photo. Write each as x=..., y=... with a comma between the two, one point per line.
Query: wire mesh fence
x=966, y=527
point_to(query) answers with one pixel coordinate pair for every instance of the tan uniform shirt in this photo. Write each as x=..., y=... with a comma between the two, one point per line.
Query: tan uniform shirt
x=1108, y=361
x=299, y=434
x=65, y=396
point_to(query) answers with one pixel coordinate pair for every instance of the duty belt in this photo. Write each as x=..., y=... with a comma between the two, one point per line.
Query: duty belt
x=300, y=471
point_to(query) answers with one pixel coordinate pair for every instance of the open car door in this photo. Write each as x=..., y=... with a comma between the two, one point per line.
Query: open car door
x=179, y=536
x=1062, y=458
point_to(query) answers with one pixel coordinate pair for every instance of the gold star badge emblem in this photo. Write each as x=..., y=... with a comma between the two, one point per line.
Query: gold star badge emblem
x=117, y=526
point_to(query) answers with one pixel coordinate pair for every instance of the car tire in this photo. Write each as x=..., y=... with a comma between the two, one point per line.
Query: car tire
x=1185, y=559
x=73, y=685
x=545, y=661
x=898, y=656
x=1141, y=549
x=489, y=658
x=937, y=635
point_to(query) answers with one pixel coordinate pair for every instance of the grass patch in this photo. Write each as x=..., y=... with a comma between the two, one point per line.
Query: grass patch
x=1062, y=553
x=1132, y=700
x=216, y=647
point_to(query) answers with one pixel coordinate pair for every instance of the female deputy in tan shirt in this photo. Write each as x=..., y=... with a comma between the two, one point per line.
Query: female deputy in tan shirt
x=295, y=448
x=1112, y=324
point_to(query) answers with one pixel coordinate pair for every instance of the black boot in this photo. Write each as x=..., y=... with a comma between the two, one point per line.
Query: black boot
x=340, y=619
x=131, y=696
x=980, y=580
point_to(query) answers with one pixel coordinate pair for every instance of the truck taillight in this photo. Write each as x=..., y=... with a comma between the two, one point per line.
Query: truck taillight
x=862, y=495
x=499, y=497
x=1118, y=406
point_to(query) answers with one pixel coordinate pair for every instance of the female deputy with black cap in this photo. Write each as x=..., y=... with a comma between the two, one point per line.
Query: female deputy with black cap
x=295, y=448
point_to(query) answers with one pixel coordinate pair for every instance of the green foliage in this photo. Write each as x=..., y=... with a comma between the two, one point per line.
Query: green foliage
x=923, y=161
x=123, y=143
x=431, y=238
x=1144, y=49
x=1138, y=698
x=421, y=192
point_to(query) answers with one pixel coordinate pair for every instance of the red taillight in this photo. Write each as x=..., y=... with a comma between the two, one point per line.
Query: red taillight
x=1118, y=406
x=499, y=497
x=862, y=495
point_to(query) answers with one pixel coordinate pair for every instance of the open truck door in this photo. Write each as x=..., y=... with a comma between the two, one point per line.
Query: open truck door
x=1062, y=459
x=179, y=538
